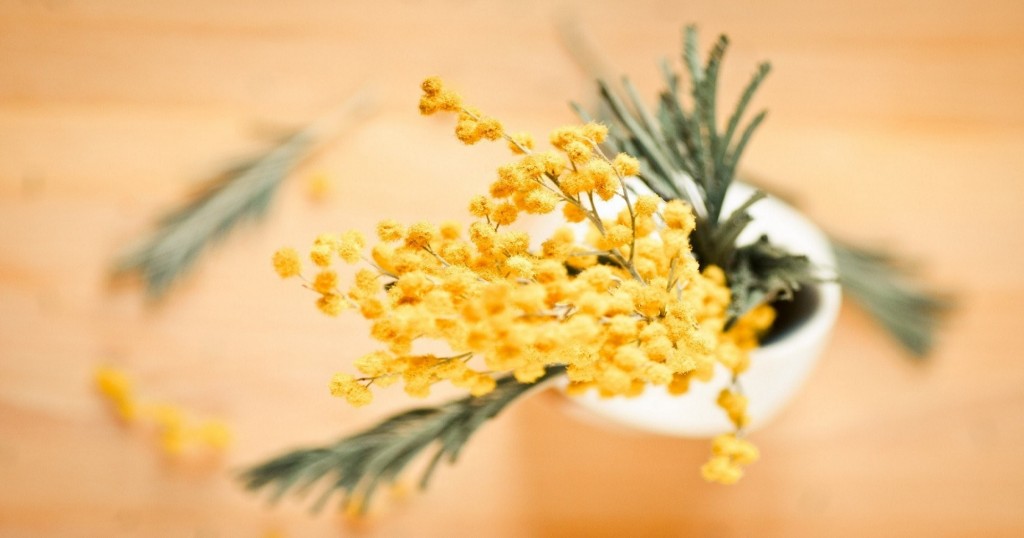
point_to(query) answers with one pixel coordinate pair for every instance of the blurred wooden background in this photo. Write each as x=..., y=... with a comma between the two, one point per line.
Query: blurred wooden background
x=898, y=123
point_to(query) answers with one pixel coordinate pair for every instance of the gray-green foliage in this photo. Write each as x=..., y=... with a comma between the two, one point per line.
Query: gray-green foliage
x=237, y=195
x=883, y=287
x=357, y=465
x=686, y=154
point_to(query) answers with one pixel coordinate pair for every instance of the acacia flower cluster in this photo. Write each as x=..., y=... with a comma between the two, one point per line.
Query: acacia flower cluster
x=178, y=432
x=619, y=301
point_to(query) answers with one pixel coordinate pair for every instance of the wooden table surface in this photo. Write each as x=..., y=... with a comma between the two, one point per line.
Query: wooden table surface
x=895, y=123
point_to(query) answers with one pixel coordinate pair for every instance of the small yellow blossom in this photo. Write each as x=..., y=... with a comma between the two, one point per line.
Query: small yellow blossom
x=646, y=205
x=346, y=386
x=321, y=255
x=319, y=186
x=616, y=236
x=215, y=434
x=520, y=266
x=390, y=230
x=172, y=439
x=173, y=426
x=480, y=206
x=117, y=388
x=729, y=454
x=505, y=213
x=468, y=131
x=490, y=128
x=286, y=262
x=735, y=405
x=678, y=215
x=374, y=364
x=740, y=450
x=330, y=304
x=325, y=282
x=371, y=308
x=645, y=226
x=513, y=242
x=113, y=384
x=573, y=213
x=420, y=235
x=680, y=384
x=606, y=185
x=482, y=235
x=504, y=187
x=367, y=284
x=449, y=101
x=539, y=202
x=721, y=469
x=350, y=246
x=626, y=165
x=572, y=184
x=331, y=240
x=482, y=384
x=436, y=98
x=595, y=132
x=563, y=136
x=578, y=152
x=450, y=230
x=432, y=85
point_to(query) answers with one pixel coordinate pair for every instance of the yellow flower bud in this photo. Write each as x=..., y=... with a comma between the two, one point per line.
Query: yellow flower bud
x=286, y=262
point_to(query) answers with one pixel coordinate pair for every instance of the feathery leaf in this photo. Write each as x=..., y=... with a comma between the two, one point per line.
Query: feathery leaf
x=236, y=195
x=675, y=163
x=882, y=286
x=356, y=465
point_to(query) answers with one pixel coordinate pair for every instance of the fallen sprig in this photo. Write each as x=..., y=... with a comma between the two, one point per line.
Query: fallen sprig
x=234, y=196
x=884, y=287
x=179, y=432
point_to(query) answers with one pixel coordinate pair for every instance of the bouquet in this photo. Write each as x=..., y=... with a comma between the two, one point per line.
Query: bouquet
x=654, y=291
x=644, y=283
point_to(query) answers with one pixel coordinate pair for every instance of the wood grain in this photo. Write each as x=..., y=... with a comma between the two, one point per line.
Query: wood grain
x=896, y=123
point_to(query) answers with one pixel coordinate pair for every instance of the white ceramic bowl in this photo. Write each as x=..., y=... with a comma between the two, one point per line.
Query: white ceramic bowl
x=778, y=369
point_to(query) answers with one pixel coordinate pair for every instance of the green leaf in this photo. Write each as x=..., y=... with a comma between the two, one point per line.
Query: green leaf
x=707, y=97
x=684, y=155
x=748, y=93
x=734, y=157
x=762, y=272
x=691, y=55
x=645, y=140
x=357, y=465
x=239, y=194
x=882, y=285
x=726, y=234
